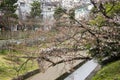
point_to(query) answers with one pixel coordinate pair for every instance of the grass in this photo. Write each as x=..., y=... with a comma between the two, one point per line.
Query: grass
x=3, y=52
x=10, y=65
x=109, y=72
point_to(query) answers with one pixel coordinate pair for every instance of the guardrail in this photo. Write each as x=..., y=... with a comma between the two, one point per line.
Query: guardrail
x=85, y=72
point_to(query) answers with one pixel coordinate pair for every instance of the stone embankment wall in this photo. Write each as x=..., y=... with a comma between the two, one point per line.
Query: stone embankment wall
x=4, y=44
x=27, y=75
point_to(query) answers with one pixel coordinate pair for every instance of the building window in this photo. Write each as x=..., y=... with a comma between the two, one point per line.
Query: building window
x=49, y=8
x=22, y=4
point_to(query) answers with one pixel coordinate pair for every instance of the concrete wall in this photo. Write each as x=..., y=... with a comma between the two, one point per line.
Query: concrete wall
x=27, y=75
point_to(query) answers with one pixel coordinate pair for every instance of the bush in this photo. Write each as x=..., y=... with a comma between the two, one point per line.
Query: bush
x=109, y=72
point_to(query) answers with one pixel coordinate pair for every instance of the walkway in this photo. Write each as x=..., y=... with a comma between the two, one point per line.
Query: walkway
x=54, y=72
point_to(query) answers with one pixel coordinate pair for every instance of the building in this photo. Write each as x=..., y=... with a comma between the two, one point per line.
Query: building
x=67, y=4
x=82, y=7
x=24, y=8
x=48, y=7
x=82, y=11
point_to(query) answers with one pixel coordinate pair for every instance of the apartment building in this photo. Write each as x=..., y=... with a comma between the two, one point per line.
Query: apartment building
x=82, y=9
x=48, y=7
x=24, y=8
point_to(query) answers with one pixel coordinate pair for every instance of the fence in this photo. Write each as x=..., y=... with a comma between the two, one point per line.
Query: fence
x=5, y=35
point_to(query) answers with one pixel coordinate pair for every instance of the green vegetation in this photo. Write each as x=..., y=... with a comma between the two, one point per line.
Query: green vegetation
x=10, y=66
x=8, y=5
x=106, y=25
x=72, y=14
x=3, y=52
x=36, y=10
x=98, y=21
x=112, y=8
x=109, y=72
x=8, y=8
x=58, y=13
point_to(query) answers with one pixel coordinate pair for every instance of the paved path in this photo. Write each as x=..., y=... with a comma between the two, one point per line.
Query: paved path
x=53, y=73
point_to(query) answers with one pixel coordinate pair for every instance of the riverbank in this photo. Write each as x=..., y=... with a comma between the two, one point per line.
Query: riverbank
x=10, y=66
x=110, y=71
x=53, y=73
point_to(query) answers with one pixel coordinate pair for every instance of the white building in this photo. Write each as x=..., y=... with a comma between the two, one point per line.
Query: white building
x=82, y=7
x=24, y=8
x=48, y=7
x=82, y=11
x=67, y=4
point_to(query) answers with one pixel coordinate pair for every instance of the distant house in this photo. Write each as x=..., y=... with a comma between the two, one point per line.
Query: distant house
x=24, y=8
x=48, y=7
x=82, y=11
x=67, y=4
x=82, y=7
x=70, y=4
